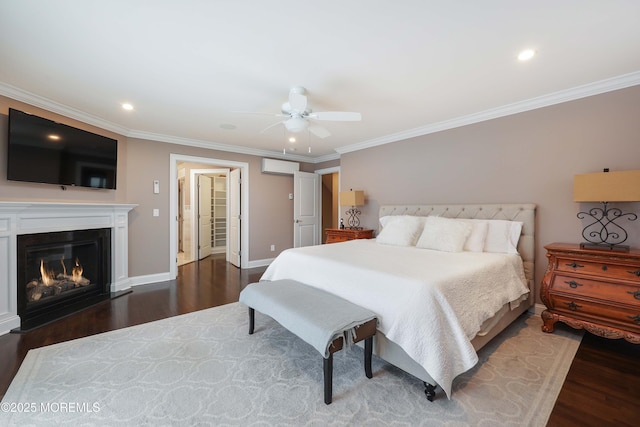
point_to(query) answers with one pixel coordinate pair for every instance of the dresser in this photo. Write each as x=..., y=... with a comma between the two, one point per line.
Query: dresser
x=595, y=290
x=335, y=235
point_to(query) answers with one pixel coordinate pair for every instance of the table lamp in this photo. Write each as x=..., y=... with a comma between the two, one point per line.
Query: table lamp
x=603, y=230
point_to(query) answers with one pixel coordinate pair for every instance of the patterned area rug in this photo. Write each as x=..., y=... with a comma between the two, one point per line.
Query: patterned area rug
x=203, y=368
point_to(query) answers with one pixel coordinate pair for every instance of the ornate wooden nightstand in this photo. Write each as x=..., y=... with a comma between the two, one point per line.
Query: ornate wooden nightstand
x=593, y=289
x=335, y=235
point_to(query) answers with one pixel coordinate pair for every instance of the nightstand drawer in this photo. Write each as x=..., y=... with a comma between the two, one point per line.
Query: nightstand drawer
x=337, y=238
x=615, y=316
x=607, y=291
x=592, y=289
x=624, y=272
x=336, y=235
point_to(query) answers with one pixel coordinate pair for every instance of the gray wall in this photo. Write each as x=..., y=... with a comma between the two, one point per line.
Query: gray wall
x=528, y=157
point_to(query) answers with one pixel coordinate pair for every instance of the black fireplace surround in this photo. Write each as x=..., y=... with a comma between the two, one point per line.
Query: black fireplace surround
x=60, y=273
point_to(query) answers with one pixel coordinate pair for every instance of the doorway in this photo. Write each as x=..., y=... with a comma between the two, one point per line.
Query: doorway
x=238, y=205
x=209, y=195
x=330, y=205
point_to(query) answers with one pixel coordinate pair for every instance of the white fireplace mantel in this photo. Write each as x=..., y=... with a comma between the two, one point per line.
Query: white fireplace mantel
x=18, y=218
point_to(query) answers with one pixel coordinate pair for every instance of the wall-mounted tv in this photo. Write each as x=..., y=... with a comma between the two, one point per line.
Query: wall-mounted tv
x=41, y=150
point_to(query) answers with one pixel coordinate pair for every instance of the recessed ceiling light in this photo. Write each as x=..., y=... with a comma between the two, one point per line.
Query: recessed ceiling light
x=127, y=106
x=54, y=137
x=526, y=54
x=292, y=139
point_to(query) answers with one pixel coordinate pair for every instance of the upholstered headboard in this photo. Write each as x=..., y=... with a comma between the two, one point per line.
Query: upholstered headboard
x=524, y=212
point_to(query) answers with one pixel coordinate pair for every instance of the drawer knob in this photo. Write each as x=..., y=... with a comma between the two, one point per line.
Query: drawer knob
x=635, y=273
x=635, y=294
x=573, y=284
x=573, y=306
x=636, y=319
x=575, y=265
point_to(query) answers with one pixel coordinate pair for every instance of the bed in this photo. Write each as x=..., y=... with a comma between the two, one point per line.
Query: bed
x=437, y=306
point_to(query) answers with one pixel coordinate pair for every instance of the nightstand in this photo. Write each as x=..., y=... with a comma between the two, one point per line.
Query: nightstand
x=592, y=289
x=335, y=235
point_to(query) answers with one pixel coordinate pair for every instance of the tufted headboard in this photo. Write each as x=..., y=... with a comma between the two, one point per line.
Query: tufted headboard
x=524, y=212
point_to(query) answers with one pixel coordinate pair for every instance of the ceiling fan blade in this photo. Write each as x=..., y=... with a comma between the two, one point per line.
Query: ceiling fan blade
x=319, y=131
x=340, y=116
x=297, y=101
x=273, y=125
x=260, y=114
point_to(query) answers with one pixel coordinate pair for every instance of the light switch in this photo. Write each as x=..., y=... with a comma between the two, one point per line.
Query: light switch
x=156, y=188
x=156, y=212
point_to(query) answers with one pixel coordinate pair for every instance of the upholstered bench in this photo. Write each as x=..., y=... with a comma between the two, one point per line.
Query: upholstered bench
x=323, y=320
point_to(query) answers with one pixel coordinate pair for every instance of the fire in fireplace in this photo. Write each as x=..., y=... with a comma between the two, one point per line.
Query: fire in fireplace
x=51, y=283
x=60, y=273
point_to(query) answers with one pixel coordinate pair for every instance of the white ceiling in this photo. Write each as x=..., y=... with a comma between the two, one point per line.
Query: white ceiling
x=409, y=67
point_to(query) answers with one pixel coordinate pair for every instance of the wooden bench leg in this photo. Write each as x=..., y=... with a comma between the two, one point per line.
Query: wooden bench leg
x=252, y=316
x=328, y=378
x=368, y=350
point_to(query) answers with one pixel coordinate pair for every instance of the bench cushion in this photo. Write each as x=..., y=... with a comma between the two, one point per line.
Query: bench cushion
x=315, y=316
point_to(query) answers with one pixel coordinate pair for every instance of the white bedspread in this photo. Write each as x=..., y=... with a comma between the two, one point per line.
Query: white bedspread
x=430, y=303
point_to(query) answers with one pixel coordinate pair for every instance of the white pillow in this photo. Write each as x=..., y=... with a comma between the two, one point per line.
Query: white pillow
x=389, y=218
x=444, y=234
x=502, y=236
x=401, y=230
x=479, y=230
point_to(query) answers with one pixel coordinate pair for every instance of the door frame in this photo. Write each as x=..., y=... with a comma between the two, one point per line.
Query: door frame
x=173, y=205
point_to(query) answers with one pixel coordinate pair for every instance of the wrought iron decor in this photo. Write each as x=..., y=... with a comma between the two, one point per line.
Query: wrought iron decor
x=604, y=231
x=353, y=220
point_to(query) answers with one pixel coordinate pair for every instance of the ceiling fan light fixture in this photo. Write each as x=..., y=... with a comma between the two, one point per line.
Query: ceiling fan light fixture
x=296, y=124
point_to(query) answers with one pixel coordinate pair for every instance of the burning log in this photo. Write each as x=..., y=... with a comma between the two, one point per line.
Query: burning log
x=51, y=284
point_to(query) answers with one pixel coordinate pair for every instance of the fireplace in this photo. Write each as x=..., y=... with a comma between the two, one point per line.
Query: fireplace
x=29, y=218
x=60, y=273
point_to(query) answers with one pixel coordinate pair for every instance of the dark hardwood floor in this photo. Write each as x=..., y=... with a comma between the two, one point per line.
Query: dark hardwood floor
x=601, y=389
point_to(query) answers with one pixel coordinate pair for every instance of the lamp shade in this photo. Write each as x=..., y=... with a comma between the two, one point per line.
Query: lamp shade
x=622, y=186
x=352, y=198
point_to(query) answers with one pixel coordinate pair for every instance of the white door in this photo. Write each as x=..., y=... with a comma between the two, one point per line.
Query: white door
x=306, y=209
x=204, y=216
x=233, y=252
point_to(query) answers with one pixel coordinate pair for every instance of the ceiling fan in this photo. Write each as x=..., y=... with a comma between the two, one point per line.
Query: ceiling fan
x=299, y=117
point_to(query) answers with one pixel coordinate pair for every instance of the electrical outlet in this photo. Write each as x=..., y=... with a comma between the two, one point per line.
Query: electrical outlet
x=273, y=248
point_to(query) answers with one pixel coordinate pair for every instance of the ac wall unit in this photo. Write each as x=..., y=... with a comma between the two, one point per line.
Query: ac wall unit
x=280, y=167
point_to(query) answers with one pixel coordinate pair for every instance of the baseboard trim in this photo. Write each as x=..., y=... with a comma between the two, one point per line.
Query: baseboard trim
x=148, y=279
x=260, y=262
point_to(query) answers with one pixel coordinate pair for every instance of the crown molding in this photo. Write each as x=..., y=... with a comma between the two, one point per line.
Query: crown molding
x=55, y=107
x=595, y=88
x=199, y=143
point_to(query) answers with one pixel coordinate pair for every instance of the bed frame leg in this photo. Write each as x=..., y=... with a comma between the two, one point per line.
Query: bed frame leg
x=252, y=317
x=368, y=351
x=328, y=379
x=430, y=391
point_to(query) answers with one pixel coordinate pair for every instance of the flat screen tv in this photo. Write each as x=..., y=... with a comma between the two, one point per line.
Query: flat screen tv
x=41, y=150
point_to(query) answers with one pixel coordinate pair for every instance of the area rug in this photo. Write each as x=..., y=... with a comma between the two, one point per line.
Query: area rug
x=204, y=369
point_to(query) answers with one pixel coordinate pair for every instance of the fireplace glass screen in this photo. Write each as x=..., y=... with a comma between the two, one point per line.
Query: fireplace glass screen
x=61, y=272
